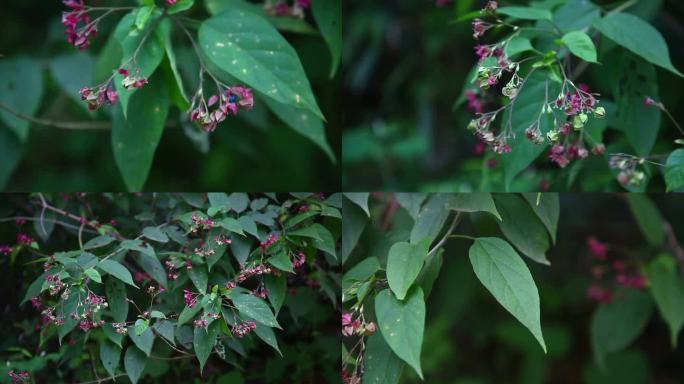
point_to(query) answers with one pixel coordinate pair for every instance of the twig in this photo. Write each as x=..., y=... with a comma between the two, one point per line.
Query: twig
x=448, y=233
x=103, y=380
x=74, y=125
x=674, y=245
x=67, y=225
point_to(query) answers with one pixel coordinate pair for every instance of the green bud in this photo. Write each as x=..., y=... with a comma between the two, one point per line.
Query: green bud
x=553, y=136
x=599, y=112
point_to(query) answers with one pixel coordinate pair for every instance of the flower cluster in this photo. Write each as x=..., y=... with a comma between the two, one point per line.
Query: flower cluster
x=97, y=96
x=282, y=9
x=79, y=29
x=358, y=326
x=21, y=377
x=87, y=325
x=299, y=260
x=5, y=249
x=256, y=271
x=221, y=240
x=242, y=329
x=120, y=328
x=172, y=270
x=200, y=323
x=200, y=223
x=628, y=167
x=190, y=298
x=201, y=252
x=270, y=240
x=227, y=102
x=24, y=239
x=604, y=267
x=55, y=284
x=260, y=292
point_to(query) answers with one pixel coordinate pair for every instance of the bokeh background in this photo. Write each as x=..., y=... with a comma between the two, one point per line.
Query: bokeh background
x=471, y=339
x=253, y=152
x=405, y=63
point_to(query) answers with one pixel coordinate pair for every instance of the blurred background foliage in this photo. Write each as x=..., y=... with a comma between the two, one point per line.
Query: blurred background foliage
x=405, y=65
x=471, y=339
x=309, y=342
x=255, y=151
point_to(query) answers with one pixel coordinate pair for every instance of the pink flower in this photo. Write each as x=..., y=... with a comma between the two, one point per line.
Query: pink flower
x=230, y=285
x=599, y=294
x=5, y=249
x=170, y=2
x=188, y=264
x=597, y=249
x=299, y=260
x=24, y=239
x=200, y=323
x=122, y=71
x=557, y=155
x=304, y=4
x=346, y=319
x=190, y=299
x=649, y=102
x=242, y=329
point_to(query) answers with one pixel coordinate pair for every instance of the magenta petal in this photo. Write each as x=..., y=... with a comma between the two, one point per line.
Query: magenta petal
x=213, y=100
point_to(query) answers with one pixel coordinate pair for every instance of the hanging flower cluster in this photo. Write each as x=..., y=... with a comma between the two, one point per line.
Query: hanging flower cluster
x=571, y=109
x=610, y=272
x=628, y=167
x=282, y=9
x=227, y=102
x=242, y=329
x=79, y=28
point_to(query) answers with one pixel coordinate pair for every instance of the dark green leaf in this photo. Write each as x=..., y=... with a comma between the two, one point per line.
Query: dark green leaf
x=402, y=324
x=667, y=288
x=674, y=171
x=411, y=202
x=525, y=13
x=204, y=341
x=381, y=365
x=473, y=202
x=352, y=227
x=198, y=275
x=72, y=72
x=328, y=15
x=134, y=362
x=547, y=208
x=255, y=308
x=505, y=275
x=156, y=234
x=98, y=242
x=276, y=287
x=431, y=219
x=116, y=298
x=117, y=270
x=144, y=340
x=404, y=263
x=648, y=217
x=110, y=354
x=21, y=87
x=581, y=45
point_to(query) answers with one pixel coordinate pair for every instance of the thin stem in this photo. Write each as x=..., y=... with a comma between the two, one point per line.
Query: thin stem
x=67, y=225
x=78, y=125
x=622, y=7
x=103, y=380
x=448, y=233
x=667, y=112
x=463, y=237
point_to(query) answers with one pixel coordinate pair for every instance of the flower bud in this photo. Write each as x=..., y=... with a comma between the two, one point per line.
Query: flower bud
x=553, y=136
x=599, y=112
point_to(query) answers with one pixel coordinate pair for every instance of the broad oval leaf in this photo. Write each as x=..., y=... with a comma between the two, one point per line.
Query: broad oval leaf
x=21, y=87
x=525, y=13
x=144, y=340
x=204, y=340
x=250, y=49
x=116, y=298
x=581, y=45
x=547, y=208
x=268, y=336
x=380, y=364
x=360, y=199
x=637, y=36
x=473, y=202
x=135, y=137
x=523, y=227
x=505, y=275
x=404, y=263
x=153, y=267
x=518, y=45
x=198, y=275
x=674, y=171
x=117, y=270
x=667, y=288
x=402, y=324
x=354, y=223
x=98, y=242
x=134, y=362
x=255, y=308
x=616, y=325
x=110, y=354
x=431, y=219
x=156, y=234
x=328, y=15
x=647, y=217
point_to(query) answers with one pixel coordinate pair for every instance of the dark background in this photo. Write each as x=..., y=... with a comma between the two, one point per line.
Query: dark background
x=405, y=65
x=264, y=156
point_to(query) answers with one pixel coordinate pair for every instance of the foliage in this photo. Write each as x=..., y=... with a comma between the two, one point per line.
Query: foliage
x=391, y=276
x=183, y=69
x=528, y=93
x=228, y=287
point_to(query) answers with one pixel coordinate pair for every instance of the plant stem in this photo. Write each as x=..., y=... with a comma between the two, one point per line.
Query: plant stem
x=86, y=125
x=448, y=233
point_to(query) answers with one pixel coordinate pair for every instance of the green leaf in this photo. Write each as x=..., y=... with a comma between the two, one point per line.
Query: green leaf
x=276, y=286
x=674, y=171
x=198, y=275
x=525, y=13
x=501, y=270
x=232, y=225
x=528, y=104
x=303, y=122
x=361, y=271
x=203, y=342
x=576, y=15
x=188, y=314
x=518, y=45
x=21, y=87
x=134, y=362
x=110, y=354
x=616, y=325
x=402, y=324
x=157, y=315
x=281, y=261
x=173, y=77
x=144, y=340
x=166, y=330
x=636, y=80
x=268, y=336
x=93, y=275
x=117, y=270
x=141, y=326
x=148, y=57
x=581, y=45
x=328, y=15
x=11, y=152
x=428, y=275
x=547, y=208
x=473, y=202
x=153, y=267
x=255, y=308
x=98, y=242
x=637, y=36
x=325, y=241
x=411, y=202
x=289, y=24
x=360, y=199
x=381, y=365
x=156, y=234
x=247, y=47
x=648, y=217
x=116, y=298
x=238, y=202
x=72, y=72
x=667, y=288
x=354, y=222
x=143, y=16
x=180, y=6
x=431, y=219
x=404, y=263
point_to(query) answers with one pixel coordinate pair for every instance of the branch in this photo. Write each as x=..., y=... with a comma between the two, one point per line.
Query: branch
x=73, y=125
x=448, y=233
